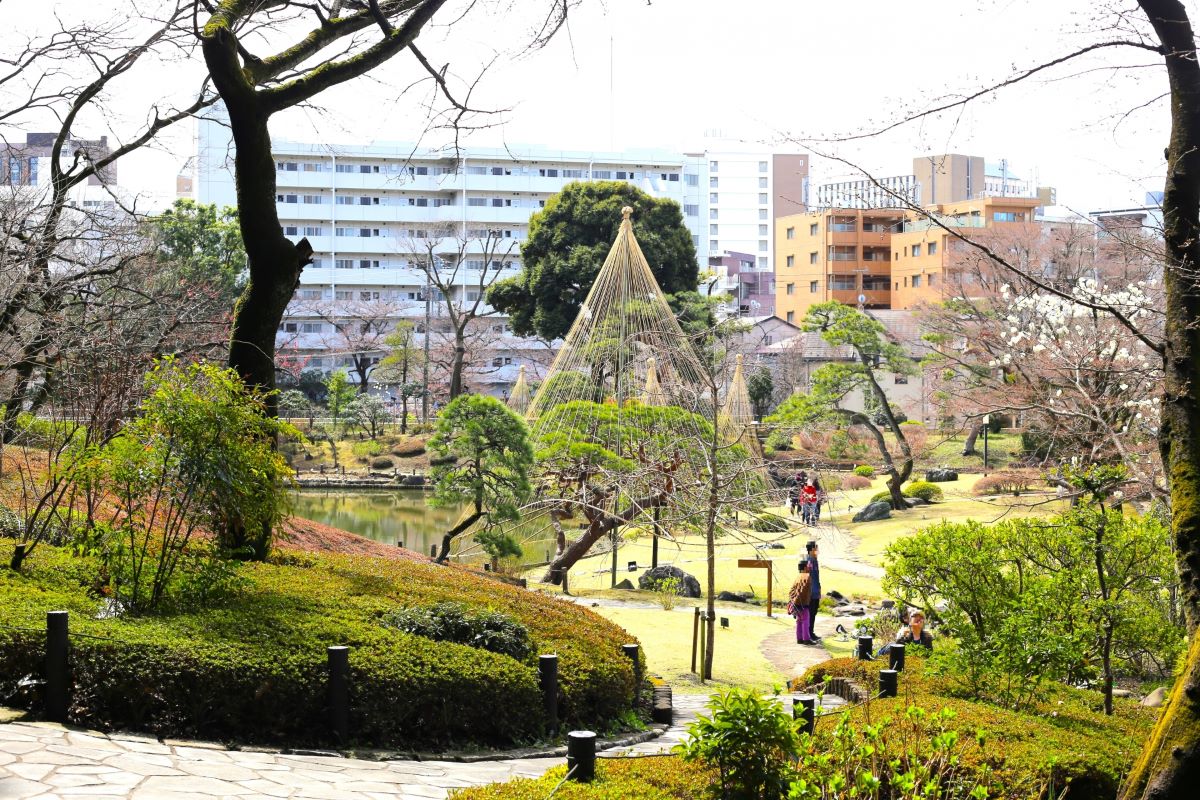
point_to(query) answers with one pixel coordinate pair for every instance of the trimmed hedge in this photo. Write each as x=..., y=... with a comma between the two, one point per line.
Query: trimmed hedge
x=253, y=668
x=864, y=471
x=923, y=489
x=855, y=482
x=1066, y=740
x=653, y=778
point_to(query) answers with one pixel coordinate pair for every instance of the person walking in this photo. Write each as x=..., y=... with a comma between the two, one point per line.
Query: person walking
x=816, y=511
x=808, y=502
x=814, y=603
x=799, y=598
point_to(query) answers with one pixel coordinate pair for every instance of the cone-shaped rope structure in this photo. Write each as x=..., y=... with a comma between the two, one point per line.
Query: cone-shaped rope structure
x=518, y=401
x=737, y=412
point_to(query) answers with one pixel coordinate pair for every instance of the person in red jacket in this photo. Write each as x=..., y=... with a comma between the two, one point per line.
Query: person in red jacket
x=809, y=496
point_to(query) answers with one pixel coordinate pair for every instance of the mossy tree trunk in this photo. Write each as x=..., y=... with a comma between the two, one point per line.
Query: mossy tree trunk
x=1169, y=766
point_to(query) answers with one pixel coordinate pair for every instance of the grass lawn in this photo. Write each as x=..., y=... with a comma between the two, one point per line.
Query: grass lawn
x=667, y=638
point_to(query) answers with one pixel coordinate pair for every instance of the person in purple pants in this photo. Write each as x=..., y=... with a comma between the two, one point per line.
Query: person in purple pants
x=798, y=605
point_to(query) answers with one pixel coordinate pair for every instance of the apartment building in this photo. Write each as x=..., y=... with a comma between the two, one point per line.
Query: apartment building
x=835, y=254
x=375, y=213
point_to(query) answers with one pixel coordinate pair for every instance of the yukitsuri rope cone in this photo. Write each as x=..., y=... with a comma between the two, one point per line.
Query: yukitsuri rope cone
x=518, y=401
x=737, y=413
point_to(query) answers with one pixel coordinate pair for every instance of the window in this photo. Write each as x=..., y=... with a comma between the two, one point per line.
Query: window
x=345, y=232
x=313, y=199
x=311, y=327
x=417, y=233
x=343, y=200
x=602, y=174
x=310, y=294
x=791, y=317
x=712, y=213
x=812, y=229
x=791, y=288
x=916, y=250
x=289, y=327
x=691, y=180
x=622, y=175
x=762, y=230
x=762, y=213
x=497, y=170
x=712, y=230
x=368, y=168
x=712, y=166
x=905, y=281
x=931, y=249
x=812, y=258
x=673, y=177
x=497, y=362
x=477, y=170
x=712, y=244
x=344, y=263
x=507, y=361
x=285, y=198
x=764, y=262
x=1004, y=216
x=762, y=183
x=762, y=166
x=308, y=166
x=762, y=198
x=791, y=261
x=314, y=230
x=33, y=176
x=712, y=197
x=14, y=170
x=287, y=166
x=932, y=280
x=843, y=282
x=875, y=283
x=691, y=210
x=763, y=245
x=812, y=288
x=575, y=173
x=368, y=263
x=290, y=230
x=367, y=296
x=344, y=168
x=712, y=183
x=477, y=201
x=791, y=233
x=548, y=173
x=901, y=380
x=916, y=281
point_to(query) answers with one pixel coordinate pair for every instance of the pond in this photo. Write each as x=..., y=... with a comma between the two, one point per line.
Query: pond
x=398, y=516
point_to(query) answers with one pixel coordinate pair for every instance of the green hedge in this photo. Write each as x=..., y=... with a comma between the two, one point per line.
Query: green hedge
x=253, y=668
x=1065, y=741
x=654, y=778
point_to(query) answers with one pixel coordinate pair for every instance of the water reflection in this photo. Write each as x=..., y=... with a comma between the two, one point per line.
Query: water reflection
x=401, y=516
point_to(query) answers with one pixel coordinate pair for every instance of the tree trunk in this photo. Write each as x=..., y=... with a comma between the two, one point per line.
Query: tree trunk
x=456, y=364
x=598, y=527
x=455, y=531
x=362, y=367
x=894, y=482
x=1169, y=766
x=969, y=444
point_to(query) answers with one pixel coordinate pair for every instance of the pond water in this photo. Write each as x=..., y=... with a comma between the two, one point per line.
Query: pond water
x=396, y=516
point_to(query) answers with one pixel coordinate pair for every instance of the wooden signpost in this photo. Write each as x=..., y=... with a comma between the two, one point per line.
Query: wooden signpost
x=760, y=564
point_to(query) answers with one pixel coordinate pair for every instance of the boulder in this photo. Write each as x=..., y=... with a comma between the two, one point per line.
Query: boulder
x=625, y=584
x=850, y=610
x=881, y=509
x=941, y=475
x=412, y=480
x=1156, y=698
x=731, y=597
x=775, y=546
x=1122, y=693
x=688, y=585
x=837, y=597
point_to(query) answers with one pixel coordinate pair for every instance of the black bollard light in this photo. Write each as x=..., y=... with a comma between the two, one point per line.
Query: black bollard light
x=631, y=652
x=548, y=682
x=889, y=684
x=896, y=657
x=724, y=622
x=581, y=755
x=433, y=551
x=866, y=646
x=804, y=707
x=338, y=658
x=633, y=566
x=58, y=674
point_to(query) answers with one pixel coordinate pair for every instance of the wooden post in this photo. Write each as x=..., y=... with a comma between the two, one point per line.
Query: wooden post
x=695, y=630
x=756, y=563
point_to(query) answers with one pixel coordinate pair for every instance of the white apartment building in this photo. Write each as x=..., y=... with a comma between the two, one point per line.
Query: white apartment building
x=374, y=212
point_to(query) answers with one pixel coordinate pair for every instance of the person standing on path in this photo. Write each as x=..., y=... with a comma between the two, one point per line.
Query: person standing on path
x=816, y=509
x=808, y=502
x=814, y=572
x=799, y=598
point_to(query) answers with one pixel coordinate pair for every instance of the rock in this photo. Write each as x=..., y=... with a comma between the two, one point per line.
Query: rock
x=913, y=502
x=625, y=584
x=1122, y=693
x=412, y=480
x=881, y=509
x=731, y=597
x=940, y=475
x=1156, y=698
x=838, y=597
x=775, y=546
x=688, y=585
x=850, y=610
x=888, y=604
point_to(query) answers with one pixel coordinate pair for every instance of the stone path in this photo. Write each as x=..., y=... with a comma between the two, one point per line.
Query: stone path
x=43, y=761
x=793, y=659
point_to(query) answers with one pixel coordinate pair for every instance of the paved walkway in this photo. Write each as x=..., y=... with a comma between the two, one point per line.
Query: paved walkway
x=43, y=760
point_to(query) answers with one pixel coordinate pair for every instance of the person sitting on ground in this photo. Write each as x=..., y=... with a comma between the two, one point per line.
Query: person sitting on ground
x=799, y=598
x=915, y=633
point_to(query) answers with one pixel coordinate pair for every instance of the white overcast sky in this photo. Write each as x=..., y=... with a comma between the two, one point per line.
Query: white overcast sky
x=632, y=73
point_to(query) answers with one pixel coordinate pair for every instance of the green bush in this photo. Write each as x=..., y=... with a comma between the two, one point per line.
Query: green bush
x=653, y=778
x=929, y=492
x=368, y=449
x=454, y=622
x=864, y=471
x=769, y=523
x=251, y=668
x=382, y=462
x=11, y=524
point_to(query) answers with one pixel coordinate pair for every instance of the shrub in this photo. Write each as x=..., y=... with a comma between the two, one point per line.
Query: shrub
x=252, y=668
x=11, y=524
x=652, y=778
x=454, y=622
x=382, y=462
x=666, y=591
x=864, y=471
x=1005, y=483
x=929, y=492
x=408, y=448
x=750, y=740
x=850, y=482
x=366, y=450
x=769, y=523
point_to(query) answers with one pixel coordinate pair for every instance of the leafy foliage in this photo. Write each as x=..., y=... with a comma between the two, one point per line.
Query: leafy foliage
x=864, y=471
x=454, y=622
x=569, y=240
x=761, y=387
x=925, y=490
x=654, y=778
x=339, y=394
x=203, y=246
x=491, y=454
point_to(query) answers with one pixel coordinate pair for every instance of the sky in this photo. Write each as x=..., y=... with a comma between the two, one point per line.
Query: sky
x=790, y=75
